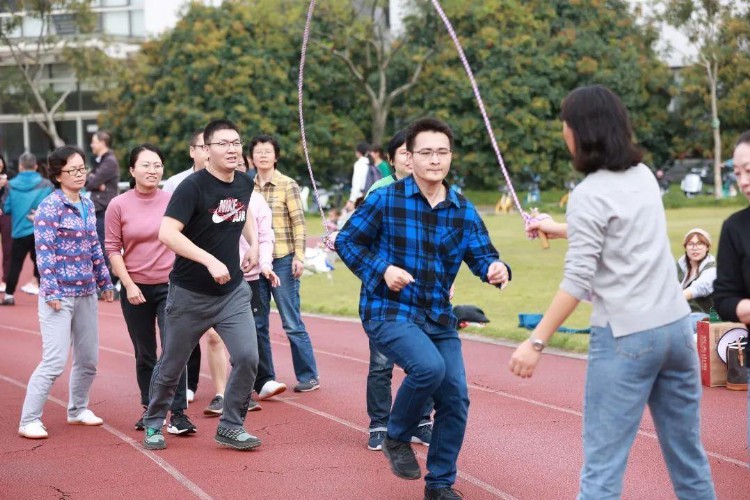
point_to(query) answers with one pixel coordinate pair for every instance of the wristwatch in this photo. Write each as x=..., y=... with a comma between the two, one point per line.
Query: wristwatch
x=537, y=344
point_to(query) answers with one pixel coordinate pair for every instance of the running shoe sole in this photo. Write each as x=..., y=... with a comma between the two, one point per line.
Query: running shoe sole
x=176, y=431
x=154, y=446
x=246, y=446
x=278, y=391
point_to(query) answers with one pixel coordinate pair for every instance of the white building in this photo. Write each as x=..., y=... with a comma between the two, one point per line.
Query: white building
x=126, y=22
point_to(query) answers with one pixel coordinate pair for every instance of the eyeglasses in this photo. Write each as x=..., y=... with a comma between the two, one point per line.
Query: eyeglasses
x=427, y=154
x=146, y=166
x=264, y=152
x=76, y=171
x=225, y=145
x=699, y=244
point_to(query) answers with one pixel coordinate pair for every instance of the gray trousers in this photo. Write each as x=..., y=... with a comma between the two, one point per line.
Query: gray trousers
x=189, y=315
x=76, y=324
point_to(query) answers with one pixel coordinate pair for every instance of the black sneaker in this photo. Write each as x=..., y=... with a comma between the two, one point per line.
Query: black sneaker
x=309, y=386
x=446, y=493
x=139, y=425
x=423, y=435
x=216, y=407
x=402, y=459
x=238, y=439
x=179, y=423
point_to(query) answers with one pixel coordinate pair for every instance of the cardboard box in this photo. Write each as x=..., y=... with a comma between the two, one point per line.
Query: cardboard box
x=713, y=369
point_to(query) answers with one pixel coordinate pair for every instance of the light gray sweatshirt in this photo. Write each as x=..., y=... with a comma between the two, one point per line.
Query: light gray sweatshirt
x=619, y=253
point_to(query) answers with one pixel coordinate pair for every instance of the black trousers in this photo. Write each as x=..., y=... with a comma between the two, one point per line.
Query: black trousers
x=141, y=321
x=194, y=368
x=19, y=249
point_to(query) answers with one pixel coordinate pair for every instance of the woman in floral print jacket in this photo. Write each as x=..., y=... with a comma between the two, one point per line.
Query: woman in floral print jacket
x=71, y=266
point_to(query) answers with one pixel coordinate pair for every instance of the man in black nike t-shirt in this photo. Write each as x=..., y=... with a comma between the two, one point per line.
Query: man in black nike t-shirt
x=202, y=225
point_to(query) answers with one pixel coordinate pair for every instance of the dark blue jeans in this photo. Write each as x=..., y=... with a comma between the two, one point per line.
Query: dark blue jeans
x=286, y=297
x=260, y=314
x=379, y=398
x=431, y=356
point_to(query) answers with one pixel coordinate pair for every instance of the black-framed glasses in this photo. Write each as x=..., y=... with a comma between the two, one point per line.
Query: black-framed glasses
x=225, y=145
x=698, y=244
x=76, y=171
x=427, y=154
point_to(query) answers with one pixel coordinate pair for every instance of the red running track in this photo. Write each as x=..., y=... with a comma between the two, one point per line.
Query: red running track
x=523, y=439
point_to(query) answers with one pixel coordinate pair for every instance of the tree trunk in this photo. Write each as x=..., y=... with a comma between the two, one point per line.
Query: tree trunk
x=379, y=121
x=716, y=126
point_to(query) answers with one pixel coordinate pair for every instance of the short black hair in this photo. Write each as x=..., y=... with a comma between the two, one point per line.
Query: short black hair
x=216, y=125
x=196, y=133
x=4, y=166
x=396, y=141
x=744, y=138
x=58, y=159
x=427, y=125
x=601, y=128
x=264, y=139
x=363, y=148
x=105, y=137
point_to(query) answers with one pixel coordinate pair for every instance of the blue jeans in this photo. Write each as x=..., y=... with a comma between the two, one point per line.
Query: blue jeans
x=431, y=356
x=658, y=367
x=286, y=297
x=260, y=314
x=379, y=398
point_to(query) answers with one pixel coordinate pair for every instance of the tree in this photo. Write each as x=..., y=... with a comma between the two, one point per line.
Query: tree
x=231, y=62
x=704, y=23
x=384, y=64
x=526, y=57
x=32, y=53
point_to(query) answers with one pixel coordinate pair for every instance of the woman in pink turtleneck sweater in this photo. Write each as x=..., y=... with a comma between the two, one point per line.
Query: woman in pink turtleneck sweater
x=143, y=264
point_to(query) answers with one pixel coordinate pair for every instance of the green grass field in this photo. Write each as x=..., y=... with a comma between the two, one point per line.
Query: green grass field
x=536, y=275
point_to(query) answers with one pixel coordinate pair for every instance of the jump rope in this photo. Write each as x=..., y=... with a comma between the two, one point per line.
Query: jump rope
x=527, y=217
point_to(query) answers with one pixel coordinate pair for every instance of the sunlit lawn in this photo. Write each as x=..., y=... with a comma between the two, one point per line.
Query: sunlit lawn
x=536, y=276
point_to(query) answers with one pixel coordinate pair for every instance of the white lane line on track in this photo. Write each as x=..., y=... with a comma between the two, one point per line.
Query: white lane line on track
x=168, y=468
x=533, y=402
x=651, y=435
x=466, y=477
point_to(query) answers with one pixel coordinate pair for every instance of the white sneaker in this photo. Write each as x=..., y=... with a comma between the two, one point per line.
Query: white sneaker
x=34, y=430
x=271, y=389
x=2, y=287
x=190, y=396
x=86, y=417
x=30, y=288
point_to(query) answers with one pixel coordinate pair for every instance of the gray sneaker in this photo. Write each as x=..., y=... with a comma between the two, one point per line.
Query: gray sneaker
x=309, y=386
x=216, y=407
x=154, y=439
x=238, y=439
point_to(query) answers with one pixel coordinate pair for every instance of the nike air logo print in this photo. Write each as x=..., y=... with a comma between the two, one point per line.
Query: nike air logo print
x=230, y=209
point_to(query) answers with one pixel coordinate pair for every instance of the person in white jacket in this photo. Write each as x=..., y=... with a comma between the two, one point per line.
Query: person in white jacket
x=359, y=175
x=696, y=270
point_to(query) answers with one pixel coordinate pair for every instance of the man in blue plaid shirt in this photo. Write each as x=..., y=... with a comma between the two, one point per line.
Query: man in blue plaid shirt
x=406, y=243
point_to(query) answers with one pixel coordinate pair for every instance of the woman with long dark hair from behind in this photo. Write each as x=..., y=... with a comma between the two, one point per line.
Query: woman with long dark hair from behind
x=71, y=265
x=143, y=263
x=641, y=349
